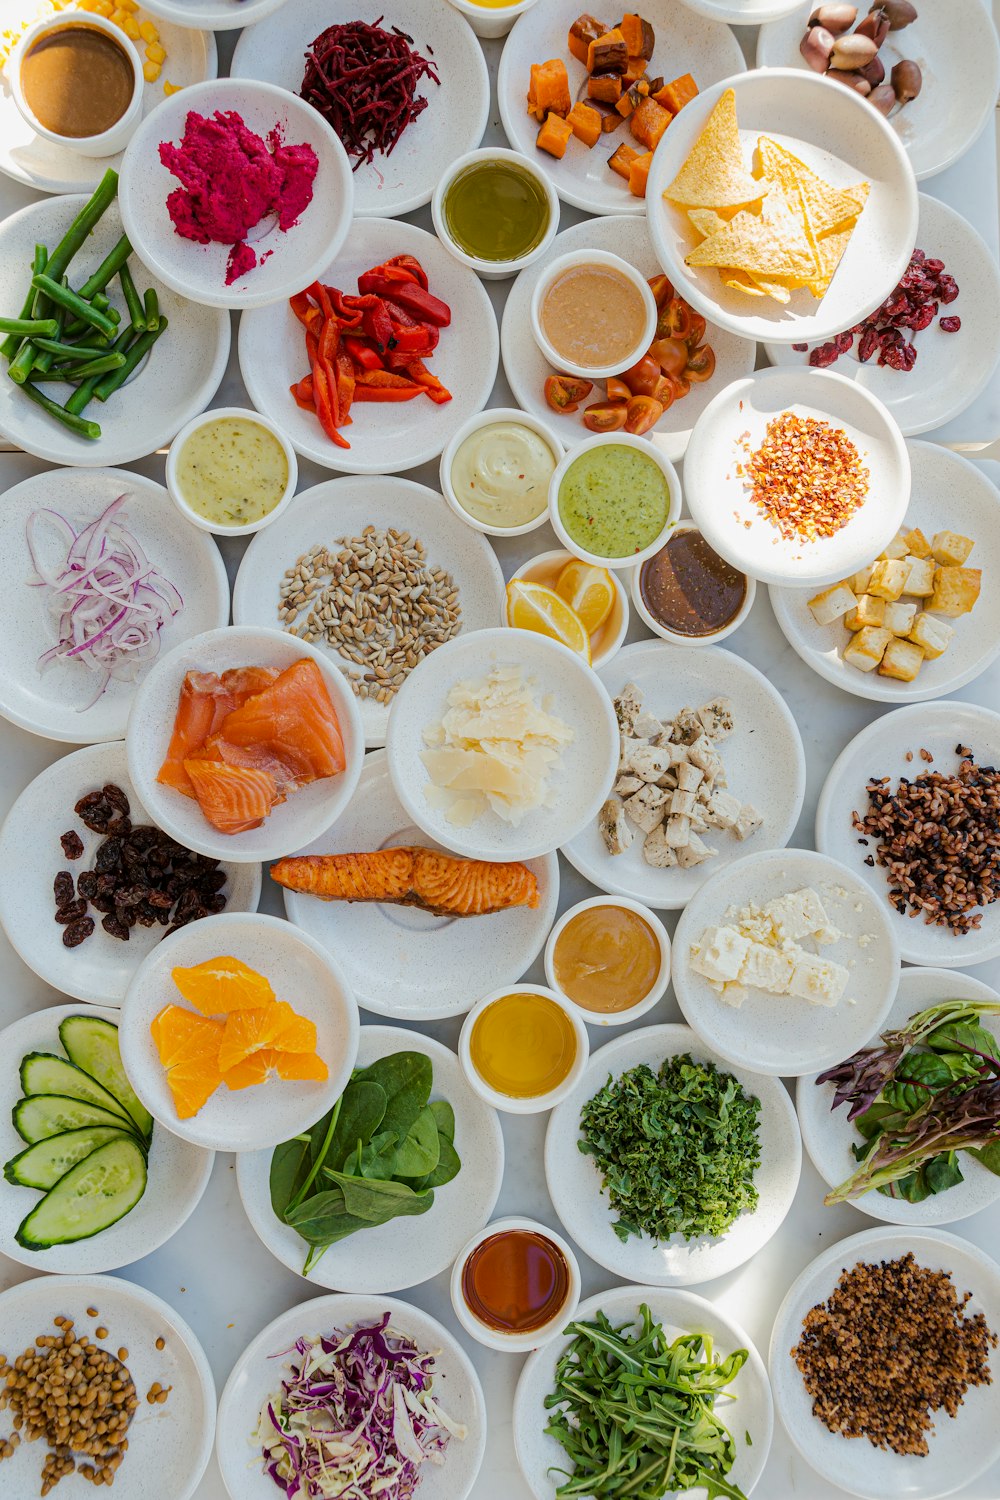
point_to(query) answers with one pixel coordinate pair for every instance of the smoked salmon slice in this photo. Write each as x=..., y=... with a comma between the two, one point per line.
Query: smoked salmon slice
x=205, y=701
x=234, y=799
x=290, y=729
x=439, y=883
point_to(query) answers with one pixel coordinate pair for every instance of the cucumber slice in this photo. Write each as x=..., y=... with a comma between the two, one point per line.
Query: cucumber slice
x=92, y=1044
x=42, y=1165
x=45, y=1115
x=92, y=1196
x=44, y=1073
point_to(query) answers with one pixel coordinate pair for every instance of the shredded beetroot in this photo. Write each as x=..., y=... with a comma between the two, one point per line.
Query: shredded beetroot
x=363, y=81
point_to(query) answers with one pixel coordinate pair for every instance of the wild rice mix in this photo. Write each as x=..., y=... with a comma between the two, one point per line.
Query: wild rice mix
x=377, y=601
x=806, y=477
x=891, y=1346
x=938, y=840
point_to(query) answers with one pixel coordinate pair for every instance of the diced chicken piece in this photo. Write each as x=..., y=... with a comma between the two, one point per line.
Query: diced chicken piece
x=766, y=968
x=647, y=807
x=689, y=777
x=678, y=831
x=702, y=753
x=626, y=785
x=699, y=823
x=615, y=832
x=950, y=548
x=832, y=603
x=722, y=809
x=932, y=635
x=650, y=762
x=668, y=780
x=681, y=802
x=647, y=726
x=628, y=705
x=919, y=577
x=678, y=754
x=818, y=980
x=719, y=953
x=716, y=718
x=797, y=915
x=628, y=745
x=656, y=851
x=686, y=727
x=694, y=852
x=748, y=822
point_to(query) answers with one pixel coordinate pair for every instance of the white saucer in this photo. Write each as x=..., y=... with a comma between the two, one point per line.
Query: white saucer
x=215, y=15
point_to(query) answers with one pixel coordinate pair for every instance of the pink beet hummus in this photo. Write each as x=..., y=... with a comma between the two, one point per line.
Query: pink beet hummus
x=231, y=179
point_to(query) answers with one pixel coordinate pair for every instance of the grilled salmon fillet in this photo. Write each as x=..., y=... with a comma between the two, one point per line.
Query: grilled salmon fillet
x=439, y=883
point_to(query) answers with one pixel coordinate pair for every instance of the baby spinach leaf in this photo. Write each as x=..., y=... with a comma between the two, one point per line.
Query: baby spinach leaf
x=449, y=1165
x=362, y=1114
x=377, y=1202
x=312, y=1219
x=406, y=1078
x=918, y=1076
x=419, y=1153
x=445, y=1117
x=943, y=1172
x=289, y=1169
x=378, y=1158
x=989, y=1155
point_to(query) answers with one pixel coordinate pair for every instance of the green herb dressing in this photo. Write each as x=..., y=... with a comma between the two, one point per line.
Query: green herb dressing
x=614, y=501
x=496, y=210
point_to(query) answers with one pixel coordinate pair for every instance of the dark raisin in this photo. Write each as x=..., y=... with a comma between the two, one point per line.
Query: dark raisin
x=213, y=881
x=216, y=903
x=187, y=903
x=106, y=884
x=78, y=932
x=63, y=887
x=103, y=902
x=160, y=900
x=72, y=844
x=87, y=884
x=115, y=927
x=117, y=798
x=145, y=918
x=131, y=895
x=71, y=912
x=108, y=855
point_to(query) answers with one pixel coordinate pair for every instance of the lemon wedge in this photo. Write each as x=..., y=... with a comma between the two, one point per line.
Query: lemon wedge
x=589, y=591
x=532, y=606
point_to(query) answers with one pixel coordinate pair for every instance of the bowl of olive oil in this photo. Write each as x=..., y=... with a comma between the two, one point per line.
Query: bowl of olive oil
x=495, y=211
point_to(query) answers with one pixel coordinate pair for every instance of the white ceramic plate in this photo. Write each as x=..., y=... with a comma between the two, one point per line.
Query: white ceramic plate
x=679, y=1312
x=881, y=750
x=52, y=702
x=574, y=1180
x=828, y=1136
x=383, y=438
x=781, y=1034
x=806, y=114
x=741, y=12
x=257, y=1374
x=952, y=369
x=176, y=381
x=764, y=761
x=457, y=109
x=527, y=369
x=300, y=972
x=307, y=812
x=178, y=1172
x=947, y=493
x=286, y=262
x=218, y=15
x=957, y=61
x=42, y=164
x=392, y=1256
x=169, y=1444
x=341, y=508
x=735, y=424
x=101, y=969
x=571, y=691
x=685, y=43
x=961, y=1448
x=427, y=967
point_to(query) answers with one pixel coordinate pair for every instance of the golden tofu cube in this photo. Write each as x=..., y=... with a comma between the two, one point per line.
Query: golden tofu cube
x=831, y=604
x=888, y=578
x=950, y=548
x=902, y=660
x=931, y=634
x=897, y=547
x=919, y=576
x=859, y=583
x=866, y=649
x=898, y=617
x=869, y=611
x=955, y=590
x=917, y=544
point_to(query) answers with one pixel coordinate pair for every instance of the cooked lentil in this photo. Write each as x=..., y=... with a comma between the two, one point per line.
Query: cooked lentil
x=938, y=839
x=806, y=477
x=891, y=1346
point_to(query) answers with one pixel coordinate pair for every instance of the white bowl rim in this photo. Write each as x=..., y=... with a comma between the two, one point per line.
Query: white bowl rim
x=495, y=270
x=666, y=468
x=567, y=262
x=659, y=989
x=248, y=414
x=514, y=1343
x=535, y=1103
x=599, y=659
x=488, y=417
x=664, y=631
x=96, y=145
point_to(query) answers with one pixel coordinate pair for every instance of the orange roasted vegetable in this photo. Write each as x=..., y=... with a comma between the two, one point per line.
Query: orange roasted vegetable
x=608, y=54
x=607, y=87
x=675, y=95
x=640, y=39
x=584, y=30
x=554, y=136
x=649, y=122
x=638, y=174
x=586, y=123
x=548, y=91
x=621, y=160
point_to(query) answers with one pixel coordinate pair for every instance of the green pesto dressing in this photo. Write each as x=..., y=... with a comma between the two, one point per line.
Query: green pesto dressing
x=614, y=500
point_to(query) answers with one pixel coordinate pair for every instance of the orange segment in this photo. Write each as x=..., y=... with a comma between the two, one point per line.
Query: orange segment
x=272, y=1026
x=305, y=1066
x=222, y=984
x=588, y=590
x=188, y=1046
x=532, y=606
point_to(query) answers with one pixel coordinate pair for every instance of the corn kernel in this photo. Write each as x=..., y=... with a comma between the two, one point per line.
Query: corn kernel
x=155, y=53
x=151, y=71
x=103, y=8
x=129, y=5
x=130, y=26
x=171, y=88
x=117, y=16
x=148, y=31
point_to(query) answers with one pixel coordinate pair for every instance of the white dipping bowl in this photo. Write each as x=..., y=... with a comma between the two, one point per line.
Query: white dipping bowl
x=489, y=418
x=107, y=142
x=491, y=21
x=611, y=262
x=494, y=270
x=219, y=528
x=621, y=1017
x=536, y=569
x=538, y=1102
x=664, y=631
x=625, y=440
x=495, y=1338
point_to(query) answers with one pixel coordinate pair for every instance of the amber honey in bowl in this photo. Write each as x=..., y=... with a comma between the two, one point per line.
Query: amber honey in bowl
x=77, y=80
x=607, y=959
x=516, y=1281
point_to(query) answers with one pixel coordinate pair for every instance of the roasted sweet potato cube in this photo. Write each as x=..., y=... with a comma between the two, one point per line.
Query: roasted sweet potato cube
x=675, y=95
x=640, y=38
x=608, y=54
x=621, y=160
x=554, y=136
x=585, y=123
x=548, y=91
x=606, y=87
x=629, y=102
x=638, y=174
x=584, y=30
x=648, y=123
x=636, y=69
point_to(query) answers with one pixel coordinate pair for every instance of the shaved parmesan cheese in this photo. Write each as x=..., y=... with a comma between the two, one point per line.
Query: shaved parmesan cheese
x=494, y=749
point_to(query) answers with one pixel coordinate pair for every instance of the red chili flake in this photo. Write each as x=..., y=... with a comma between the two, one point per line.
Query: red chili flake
x=806, y=477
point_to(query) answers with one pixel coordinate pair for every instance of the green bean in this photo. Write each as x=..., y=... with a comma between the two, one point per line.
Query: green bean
x=109, y=267
x=48, y=327
x=75, y=423
x=89, y=367
x=83, y=395
x=75, y=304
x=152, y=306
x=137, y=351
x=73, y=353
x=132, y=302
x=12, y=342
x=90, y=215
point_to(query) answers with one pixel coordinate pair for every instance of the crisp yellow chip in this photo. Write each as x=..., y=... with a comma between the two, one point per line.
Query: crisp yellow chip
x=714, y=174
x=706, y=221
x=769, y=244
x=831, y=249
x=824, y=207
x=741, y=282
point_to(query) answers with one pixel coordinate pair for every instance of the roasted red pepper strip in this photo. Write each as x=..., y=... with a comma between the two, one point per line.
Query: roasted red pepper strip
x=411, y=264
x=386, y=393
x=345, y=386
x=438, y=393
x=415, y=299
x=363, y=354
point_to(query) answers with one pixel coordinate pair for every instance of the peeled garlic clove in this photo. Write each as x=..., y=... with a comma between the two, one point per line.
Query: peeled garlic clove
x=852, y=52
x=816, y=46
x=883, y=98
x=835, y=18
x=907, y=80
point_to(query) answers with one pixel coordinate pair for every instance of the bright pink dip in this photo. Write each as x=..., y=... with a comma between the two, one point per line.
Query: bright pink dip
x=231, y=179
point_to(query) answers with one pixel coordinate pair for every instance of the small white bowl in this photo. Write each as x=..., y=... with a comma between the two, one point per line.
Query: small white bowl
x=540, y=1102
x=621, y=1017
x=218, y=528
x=625, y=440
x=494, y=270
x=664, y=631
x=536, y=569
x=611, y=262
x=491, y=21
x=489, y=418
x=495, y=1338
x=108, y=142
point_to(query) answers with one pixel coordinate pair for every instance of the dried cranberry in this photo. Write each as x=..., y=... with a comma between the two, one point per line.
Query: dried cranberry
x=934, y=265
x=950, y=324
x=63, y=887
x=800, y=348
x=824, y=356
x=918, y=257
x=78, y=932
x=947, y=289
x=844, y=342
x=923, y=317
x=72, y=844
x=868, y=346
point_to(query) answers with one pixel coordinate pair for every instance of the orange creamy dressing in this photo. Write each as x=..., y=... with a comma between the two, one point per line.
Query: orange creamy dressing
x=593, y=316
x=77, y=81
x=607, y=959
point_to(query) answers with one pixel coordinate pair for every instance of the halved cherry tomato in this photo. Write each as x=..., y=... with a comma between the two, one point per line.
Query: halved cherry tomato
x=674, y=321
x=665, y=391
x=605, y=416
x=662, y=289
x=670, y=354
x=642, y=413
x=682, y=386
x=642, y=376
x=617, y=390
x=701, y=364
x=697, y=330
x=565, y=392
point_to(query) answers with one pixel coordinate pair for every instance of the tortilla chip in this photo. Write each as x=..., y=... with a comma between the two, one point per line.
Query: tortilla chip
x=714, y=174
x=706, y=221
x=825, y=207
x=741, y=282
x=831, y=249
x=771, y=243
